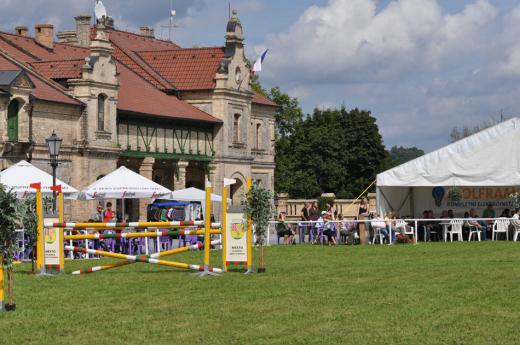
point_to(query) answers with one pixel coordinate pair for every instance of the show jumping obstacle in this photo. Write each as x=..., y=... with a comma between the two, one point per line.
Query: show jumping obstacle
x=153, y=256
x=170, y=229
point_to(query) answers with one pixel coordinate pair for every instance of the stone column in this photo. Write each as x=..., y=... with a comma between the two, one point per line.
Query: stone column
x=181, y=182
x=146, y=170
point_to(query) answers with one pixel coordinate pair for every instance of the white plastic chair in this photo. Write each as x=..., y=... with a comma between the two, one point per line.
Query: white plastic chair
x=500, y=225
x=473, y=230
x=516, y=225
x=407, y=229
x=378, y=234
x=455, y=229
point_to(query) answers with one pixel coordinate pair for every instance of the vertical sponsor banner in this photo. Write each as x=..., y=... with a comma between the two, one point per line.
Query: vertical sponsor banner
x=53, y=251
x=236, y=239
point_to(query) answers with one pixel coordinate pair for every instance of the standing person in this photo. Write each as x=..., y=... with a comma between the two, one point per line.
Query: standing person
x=108, y=215
x=364, y=212
x=364, y=207
x=314, y=215
x=489, y=212
x=98, y=216
x=305, y=217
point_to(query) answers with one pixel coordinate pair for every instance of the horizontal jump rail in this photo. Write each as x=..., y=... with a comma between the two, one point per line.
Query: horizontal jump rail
x=156, y=255
x=163, y=233
x=132, y=224
x=140, y=258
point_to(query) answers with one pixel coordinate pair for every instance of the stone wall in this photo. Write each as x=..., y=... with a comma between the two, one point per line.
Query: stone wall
x=292, y=207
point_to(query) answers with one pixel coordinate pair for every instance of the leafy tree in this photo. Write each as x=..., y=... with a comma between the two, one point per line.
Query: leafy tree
x=29, y=221
x=259, y=205
x=288, y=115
x=12, y=211
x=256, y=86
x=402, y=155
x=333, y=150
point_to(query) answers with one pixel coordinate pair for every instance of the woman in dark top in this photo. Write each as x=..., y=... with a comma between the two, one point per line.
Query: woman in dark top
x=284, y=230
x=364, y=207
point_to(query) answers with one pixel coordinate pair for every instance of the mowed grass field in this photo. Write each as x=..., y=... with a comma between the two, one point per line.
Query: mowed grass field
x=454, y=293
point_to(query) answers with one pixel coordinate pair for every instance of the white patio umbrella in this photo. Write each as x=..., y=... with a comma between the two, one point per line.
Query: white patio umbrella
x=123, y=183
x=20, y=176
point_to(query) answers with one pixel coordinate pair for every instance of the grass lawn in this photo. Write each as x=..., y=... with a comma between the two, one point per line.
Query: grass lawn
x=455, y=293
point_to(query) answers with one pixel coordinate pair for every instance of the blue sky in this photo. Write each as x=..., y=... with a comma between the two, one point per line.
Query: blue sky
x=421, y=66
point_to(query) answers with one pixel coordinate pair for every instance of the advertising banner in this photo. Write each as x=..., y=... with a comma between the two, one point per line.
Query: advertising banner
x=236, y=234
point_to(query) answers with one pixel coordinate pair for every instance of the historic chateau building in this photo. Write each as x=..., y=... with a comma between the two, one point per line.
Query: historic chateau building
x=175, y=115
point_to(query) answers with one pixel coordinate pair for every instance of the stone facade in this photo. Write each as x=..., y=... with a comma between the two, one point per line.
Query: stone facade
x=242, y=145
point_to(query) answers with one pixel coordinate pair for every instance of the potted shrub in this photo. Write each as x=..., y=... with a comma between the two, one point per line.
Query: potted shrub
x=259, y=206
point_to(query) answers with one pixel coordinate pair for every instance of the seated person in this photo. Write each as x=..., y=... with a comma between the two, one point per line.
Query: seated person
x=343, y=226
x=480, y=226
x=379, y=224
x=283, y=229
x=506, y=213
x=516, y=217
x=328, y=229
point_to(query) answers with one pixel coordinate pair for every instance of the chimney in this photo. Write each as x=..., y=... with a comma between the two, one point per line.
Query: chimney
x=21, y=30
x=44, y=34
x=83, y=30
x=146, y=31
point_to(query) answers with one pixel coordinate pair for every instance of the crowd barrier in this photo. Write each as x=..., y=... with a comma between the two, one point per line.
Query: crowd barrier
x=413, y=223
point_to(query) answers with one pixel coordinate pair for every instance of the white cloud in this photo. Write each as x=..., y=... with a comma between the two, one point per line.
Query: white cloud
x=358, y=43
x=421, y=70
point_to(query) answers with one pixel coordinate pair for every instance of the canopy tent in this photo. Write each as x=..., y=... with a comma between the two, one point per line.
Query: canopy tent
x=485, y=165
x=193, y=194
x=20, y=176
x=123, y=183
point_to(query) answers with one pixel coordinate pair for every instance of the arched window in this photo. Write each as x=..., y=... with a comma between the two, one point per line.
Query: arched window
x=12, y=120
x=258, y=135
x=101, y=112
x=236, y=128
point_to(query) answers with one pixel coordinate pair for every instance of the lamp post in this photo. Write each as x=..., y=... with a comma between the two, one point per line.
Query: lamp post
x=54, y=145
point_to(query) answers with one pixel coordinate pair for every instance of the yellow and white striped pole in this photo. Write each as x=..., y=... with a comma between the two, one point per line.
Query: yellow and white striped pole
x=223, y=221
x=207, y=225
x=40, y=258
x=1, y=284
x=60, y=232
x=249, y=233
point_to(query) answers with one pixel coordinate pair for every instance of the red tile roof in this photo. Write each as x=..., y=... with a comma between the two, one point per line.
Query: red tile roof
x=138, y=96
x=33, y=51
x=126, y=44
x=186, y=68
x=65, y=69
x=261, y=99
x=44, y=90
x=163, y=64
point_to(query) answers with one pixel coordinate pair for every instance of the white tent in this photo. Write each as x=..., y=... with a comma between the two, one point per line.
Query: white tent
x=193, y=194
x=20, y=176
x=485, y=165
x=123, y=183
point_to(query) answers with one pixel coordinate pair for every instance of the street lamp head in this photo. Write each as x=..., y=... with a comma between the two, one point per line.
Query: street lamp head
x=54, y=144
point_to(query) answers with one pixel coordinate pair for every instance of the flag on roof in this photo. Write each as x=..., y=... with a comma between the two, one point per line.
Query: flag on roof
x=257, y=67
